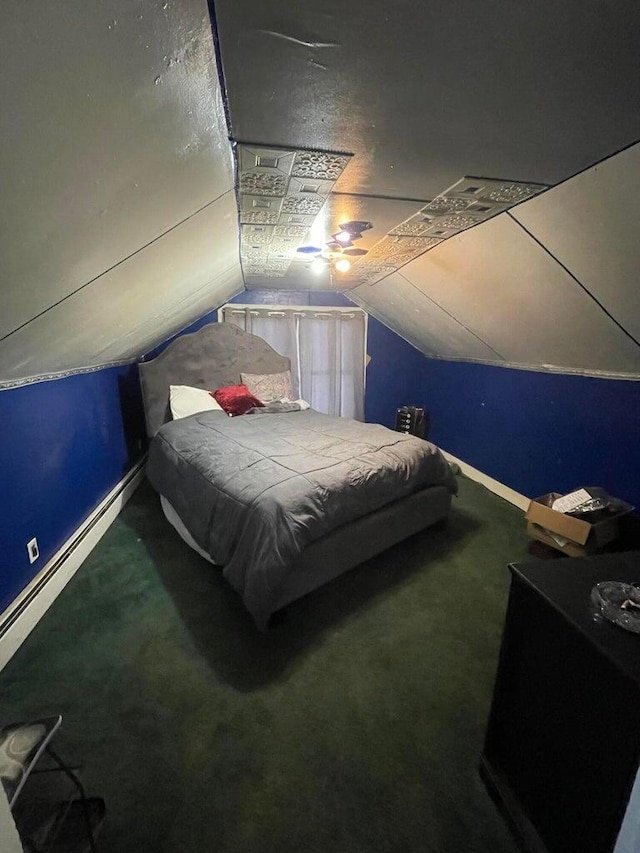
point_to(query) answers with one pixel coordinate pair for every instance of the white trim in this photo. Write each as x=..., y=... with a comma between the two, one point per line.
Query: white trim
x=267, y=307
x=494, y=486
x=70, y=557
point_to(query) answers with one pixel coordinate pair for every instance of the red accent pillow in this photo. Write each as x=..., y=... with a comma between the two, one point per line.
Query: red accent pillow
x=235, y=399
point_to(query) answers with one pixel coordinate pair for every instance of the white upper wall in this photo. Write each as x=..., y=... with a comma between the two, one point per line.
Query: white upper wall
x=591, y=224
x=558, y=294
x=117, y=180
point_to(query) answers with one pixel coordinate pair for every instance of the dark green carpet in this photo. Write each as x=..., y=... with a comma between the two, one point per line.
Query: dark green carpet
x=356, y=724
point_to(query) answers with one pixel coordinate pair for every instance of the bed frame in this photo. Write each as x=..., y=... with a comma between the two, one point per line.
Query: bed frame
x=216, y=355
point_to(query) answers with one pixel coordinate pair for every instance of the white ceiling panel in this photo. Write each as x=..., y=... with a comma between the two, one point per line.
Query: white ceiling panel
x=591, y=224
x=499, y=283
x=399, y=304
x=113, y=132
x=189, y=271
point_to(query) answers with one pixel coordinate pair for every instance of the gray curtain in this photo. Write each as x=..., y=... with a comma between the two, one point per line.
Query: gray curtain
x=326, y=348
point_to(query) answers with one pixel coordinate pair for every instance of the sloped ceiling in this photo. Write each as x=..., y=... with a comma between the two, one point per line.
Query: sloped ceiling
x=424, y=94
x=120, y=214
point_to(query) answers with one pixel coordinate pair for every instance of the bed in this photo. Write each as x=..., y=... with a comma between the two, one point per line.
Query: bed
x=282, y=501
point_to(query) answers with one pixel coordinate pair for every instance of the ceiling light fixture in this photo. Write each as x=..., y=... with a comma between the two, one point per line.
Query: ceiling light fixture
x=355, y=226
x=343, y=265
x=332, y=257
x=318, y=266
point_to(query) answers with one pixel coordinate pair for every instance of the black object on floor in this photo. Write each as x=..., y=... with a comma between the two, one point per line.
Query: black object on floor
x=46, y=825
x=563, y=742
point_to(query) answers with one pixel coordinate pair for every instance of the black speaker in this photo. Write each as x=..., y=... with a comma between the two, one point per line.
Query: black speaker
x=413, y=420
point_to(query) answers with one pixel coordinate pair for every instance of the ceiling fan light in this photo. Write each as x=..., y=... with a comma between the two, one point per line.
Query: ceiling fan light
x=318, y=266
x=356, y=226
x=343, y=265
x=343, y=237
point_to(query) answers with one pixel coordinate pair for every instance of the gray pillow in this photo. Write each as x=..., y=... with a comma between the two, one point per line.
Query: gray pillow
x=269, y=386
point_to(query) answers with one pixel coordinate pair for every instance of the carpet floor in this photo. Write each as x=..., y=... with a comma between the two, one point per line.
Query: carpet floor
x=355, y=724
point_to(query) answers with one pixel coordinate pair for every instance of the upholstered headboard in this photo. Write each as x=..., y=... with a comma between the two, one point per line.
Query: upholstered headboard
x=213, y=356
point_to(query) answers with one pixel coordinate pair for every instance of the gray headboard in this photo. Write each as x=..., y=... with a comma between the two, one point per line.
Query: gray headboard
x=213, y=356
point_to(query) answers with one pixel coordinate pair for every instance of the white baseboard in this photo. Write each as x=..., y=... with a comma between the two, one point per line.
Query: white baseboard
x=24, y=613
x=494, y=486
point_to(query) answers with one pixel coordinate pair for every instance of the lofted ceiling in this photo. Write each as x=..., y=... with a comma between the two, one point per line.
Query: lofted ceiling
x=494, y=147
x=508, y=129
x=119, y=213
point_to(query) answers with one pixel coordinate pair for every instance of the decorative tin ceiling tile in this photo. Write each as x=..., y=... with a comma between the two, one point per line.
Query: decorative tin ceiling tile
x=309, y=186
x=443, y=204
x=441, y=231
x=255, y=158
x=486, y=208
x=504, y=192
x=279, y=264
x=393, y=251
x=421, y=243
x=253, y=260
x=283, y=187
x=258, y=233
x=287, y=189
x=370, y=268
x=416, y=226
x=263, y=183
x=458, y=221
x=276, y=268
x=319, y=164
x=513, y=193
x=263, y=203
x=309, y=205
x=296, y=219
x=257, y=239
x=379, y=271
x=247, y=244
x=284, y=246
x=298, y=231
x=268, y=217
x=470, y=188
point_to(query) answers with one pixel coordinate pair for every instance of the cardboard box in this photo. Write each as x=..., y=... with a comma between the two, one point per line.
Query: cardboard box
x=573, y=536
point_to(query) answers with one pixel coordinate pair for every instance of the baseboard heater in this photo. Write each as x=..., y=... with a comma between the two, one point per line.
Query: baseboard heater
x=36, y=586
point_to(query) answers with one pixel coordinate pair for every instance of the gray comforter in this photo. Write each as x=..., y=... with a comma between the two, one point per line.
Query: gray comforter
x=255, y=490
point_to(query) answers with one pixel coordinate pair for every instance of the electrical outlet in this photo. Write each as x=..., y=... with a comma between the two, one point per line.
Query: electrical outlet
x=32, y=550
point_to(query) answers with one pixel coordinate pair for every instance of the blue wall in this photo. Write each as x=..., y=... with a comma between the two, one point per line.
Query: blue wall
x=65, y=444
x=535, y=432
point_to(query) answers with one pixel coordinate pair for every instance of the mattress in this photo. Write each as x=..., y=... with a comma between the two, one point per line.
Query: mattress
x=255, y=491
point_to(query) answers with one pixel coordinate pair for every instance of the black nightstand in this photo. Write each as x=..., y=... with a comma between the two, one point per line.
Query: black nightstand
x=562, y=748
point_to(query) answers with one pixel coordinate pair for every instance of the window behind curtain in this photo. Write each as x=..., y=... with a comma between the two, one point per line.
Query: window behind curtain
x=326, y=347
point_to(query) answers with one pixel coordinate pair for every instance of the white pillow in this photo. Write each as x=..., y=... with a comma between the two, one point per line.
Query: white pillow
x=269, y=386
x=185, y=400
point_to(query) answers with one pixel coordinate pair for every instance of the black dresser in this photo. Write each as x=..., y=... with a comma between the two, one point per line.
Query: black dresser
x=562, y=748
